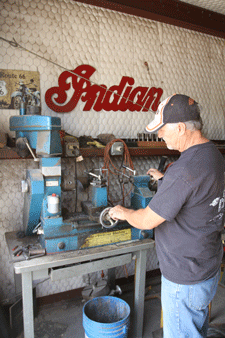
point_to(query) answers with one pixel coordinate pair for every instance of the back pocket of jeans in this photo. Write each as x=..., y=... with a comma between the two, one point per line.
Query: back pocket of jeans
x=201, y=294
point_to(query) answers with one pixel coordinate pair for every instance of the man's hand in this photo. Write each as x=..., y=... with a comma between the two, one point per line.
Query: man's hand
x=117, y=213
x=156, y=174
x=141, y=219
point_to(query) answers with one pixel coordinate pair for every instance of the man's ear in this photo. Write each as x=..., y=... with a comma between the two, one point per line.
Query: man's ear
x=181, y=128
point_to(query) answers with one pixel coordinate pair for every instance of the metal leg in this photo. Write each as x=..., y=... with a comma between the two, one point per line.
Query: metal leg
x=112, y=278
x=28, y=313
x=139, y=292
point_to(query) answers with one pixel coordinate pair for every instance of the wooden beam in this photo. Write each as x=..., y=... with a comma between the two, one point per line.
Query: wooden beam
x=172, y=12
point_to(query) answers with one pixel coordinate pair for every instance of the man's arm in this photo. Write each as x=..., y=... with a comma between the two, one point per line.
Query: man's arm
x=145, y=219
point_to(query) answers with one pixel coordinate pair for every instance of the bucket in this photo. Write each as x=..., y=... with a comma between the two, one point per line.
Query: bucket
x=106, y=317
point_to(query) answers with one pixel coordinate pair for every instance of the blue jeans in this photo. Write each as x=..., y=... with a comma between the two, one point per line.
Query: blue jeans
x=185, y=308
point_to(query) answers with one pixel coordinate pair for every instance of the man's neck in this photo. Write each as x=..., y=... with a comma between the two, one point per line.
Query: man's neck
x=192, y=138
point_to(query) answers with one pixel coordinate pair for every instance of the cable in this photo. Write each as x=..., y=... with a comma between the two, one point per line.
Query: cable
x=76, y=183
x=112, y=170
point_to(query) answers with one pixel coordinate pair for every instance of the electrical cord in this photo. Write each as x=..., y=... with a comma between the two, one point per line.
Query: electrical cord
x=75, y=174
x=113, y=170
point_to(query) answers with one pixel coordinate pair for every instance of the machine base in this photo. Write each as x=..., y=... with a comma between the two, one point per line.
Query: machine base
x=80, y=233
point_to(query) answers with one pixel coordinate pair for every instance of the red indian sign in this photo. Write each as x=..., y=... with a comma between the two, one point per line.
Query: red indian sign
x=97, y=97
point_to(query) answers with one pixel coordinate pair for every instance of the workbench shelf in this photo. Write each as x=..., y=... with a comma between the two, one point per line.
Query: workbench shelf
x=134, y=152
x=10, y=153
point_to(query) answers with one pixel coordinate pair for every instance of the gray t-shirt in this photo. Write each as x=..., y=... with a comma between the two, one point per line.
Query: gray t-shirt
x=191, y=198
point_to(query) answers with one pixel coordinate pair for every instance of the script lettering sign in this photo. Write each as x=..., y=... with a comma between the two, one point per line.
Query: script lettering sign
x=76, y=85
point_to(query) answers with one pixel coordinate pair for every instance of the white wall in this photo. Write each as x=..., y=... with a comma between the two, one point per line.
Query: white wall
x=70, y=33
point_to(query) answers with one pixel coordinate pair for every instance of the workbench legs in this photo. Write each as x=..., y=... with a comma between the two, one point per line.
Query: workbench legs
x=28, y=311
x=139, y=295
x=139, y=292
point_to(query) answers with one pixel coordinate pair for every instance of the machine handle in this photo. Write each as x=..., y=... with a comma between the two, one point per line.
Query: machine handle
x=127, y=168
x=31, y=151
x=106, y=221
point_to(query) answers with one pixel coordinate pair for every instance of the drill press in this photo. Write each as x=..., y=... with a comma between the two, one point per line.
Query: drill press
x=42, y=187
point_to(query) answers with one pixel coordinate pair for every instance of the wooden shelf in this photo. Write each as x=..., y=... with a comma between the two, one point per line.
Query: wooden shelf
x=10, y=153
x=135, y=152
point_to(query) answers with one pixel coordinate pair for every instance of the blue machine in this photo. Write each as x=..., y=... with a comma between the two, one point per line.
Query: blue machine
x=142, y=195
x=42, y=189
x=99, y=196
x=140, y=199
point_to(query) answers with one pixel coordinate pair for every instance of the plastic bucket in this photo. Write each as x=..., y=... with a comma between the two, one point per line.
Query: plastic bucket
x=106, y=317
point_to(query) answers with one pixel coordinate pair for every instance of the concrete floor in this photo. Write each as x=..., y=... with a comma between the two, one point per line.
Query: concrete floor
x=64, y=319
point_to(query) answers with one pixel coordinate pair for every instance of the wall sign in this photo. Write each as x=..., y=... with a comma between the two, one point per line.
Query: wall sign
x=17, y=86
x=74, y=87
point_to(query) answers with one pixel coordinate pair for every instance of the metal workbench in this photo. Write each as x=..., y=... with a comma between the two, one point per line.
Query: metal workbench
x=75, y=263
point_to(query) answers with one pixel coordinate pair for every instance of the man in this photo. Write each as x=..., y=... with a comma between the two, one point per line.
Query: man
x=187, y=213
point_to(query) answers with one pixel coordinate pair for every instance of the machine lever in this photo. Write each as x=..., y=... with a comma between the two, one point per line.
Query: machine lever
x=30, y=149
x=36, y=228
x=127, y=168
x=97, y=176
